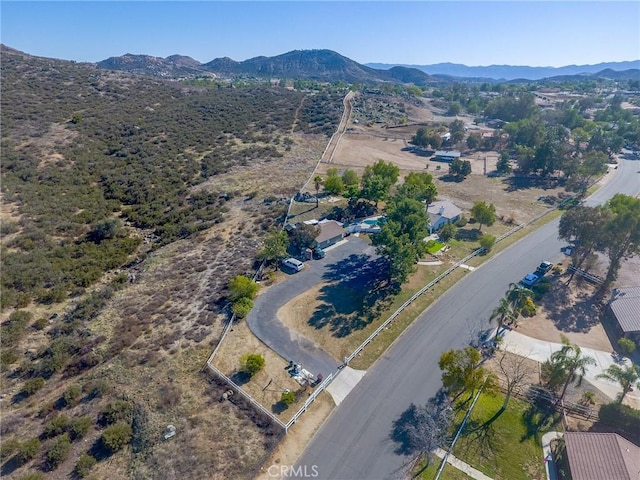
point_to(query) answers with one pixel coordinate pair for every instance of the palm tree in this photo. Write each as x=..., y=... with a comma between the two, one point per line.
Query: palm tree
x=517, y=296
x=627, y=377
x=573, y=364
x=317, y=180
x=503, y=314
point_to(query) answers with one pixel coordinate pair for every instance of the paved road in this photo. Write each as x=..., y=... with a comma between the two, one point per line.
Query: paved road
x=339, y=263
x=354, y=442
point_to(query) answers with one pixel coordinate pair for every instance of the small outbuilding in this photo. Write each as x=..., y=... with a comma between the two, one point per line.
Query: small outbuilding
x=442, y=212
x=624, y=312
x=446, y=155
x=331, y=232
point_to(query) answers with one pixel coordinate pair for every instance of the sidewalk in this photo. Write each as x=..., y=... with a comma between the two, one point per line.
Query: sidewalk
x=462, y=466
x=540, y=351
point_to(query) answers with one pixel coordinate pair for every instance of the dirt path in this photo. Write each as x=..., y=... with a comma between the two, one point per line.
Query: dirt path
x=342, y=127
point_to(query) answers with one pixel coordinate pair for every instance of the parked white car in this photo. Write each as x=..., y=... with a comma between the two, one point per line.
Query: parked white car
x=293, y=264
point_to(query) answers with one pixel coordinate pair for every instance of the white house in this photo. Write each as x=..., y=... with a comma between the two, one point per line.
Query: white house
x=440, y=213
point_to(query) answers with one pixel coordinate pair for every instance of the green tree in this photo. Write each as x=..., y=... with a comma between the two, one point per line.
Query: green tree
x=462, y=371
x=626, y=225
x=317, y=182
x=242, y=287
x=517, y=296
x=503, y=314
x=487, y=241
x=80, y=426
x=503, y=166
x=456, y=128
x=566, y=366
x=276, y=243
x=251, y=363
x=115, y=437
x=448, y=231
x=474, y=141
x=304, y=236
x=460, y=168
x=378, y=179
x=585, y=227
x=288, y=397
x=627, y=377
x=350, y=177
x=484, y=214
x=241, y=307
x=593, y=165
x=627, y=346
x=333, y=183
x=420, y=186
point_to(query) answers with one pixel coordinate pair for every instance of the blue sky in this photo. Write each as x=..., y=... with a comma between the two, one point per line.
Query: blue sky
x=541, y=33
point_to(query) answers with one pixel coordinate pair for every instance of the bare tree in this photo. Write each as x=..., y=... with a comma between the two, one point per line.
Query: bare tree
x=516, y=370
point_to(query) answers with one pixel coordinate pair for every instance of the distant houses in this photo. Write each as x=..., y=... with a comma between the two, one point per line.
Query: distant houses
x=440, y=213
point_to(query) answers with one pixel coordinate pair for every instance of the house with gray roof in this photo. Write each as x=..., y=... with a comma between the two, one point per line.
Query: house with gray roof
x=601, y=456
x=331, y=232
x=624, y=309
x=440, y=213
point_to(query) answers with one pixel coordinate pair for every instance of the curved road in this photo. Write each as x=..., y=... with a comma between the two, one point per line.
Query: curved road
x=354, y=442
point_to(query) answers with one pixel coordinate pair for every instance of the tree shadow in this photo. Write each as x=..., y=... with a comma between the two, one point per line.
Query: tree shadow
x=240, y=378
x=10, y=466
x=577, y=315
x=450, y=178
x=419, y=151
x=357, y=291
x=526, y=182
x=468, y=234
x=538, y=416
x=279, y=407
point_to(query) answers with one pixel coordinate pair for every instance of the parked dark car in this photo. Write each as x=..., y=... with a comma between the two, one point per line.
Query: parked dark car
x=543, y=268
x=318, y=253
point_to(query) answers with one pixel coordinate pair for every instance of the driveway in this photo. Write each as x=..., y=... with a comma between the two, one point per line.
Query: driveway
x=263, y=320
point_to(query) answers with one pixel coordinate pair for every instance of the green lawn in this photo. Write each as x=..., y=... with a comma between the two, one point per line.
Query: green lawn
x=434, y=247
x=508, y=447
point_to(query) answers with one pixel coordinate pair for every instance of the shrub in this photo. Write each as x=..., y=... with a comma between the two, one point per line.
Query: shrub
x=79, y=427
x=627, y=346
x=72, y=395
x=33, y=385
x=32, y=476
x=84, y=465
x=28, y=449
x=461, y=222
x=116, y=437
x=487, y=241
x=288, y=397
x=529, y=308
x=251, y=363
x=120, y=410
x=242, y=307
x=56, y=425
x=58, y=451
x=242, y=287
x=620, y=417
x=447, y=232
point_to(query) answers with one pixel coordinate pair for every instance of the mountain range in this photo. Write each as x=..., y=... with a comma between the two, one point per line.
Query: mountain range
x=512, y=72
x=327, y=65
